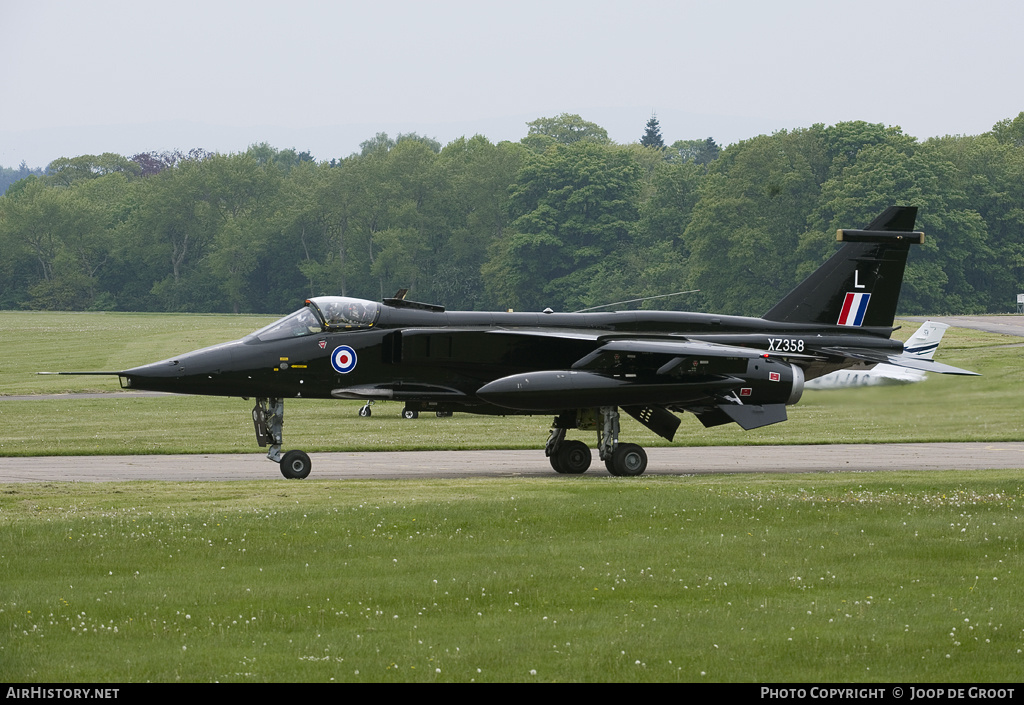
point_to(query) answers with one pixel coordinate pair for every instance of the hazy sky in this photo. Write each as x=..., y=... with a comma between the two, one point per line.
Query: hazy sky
x=91, y=76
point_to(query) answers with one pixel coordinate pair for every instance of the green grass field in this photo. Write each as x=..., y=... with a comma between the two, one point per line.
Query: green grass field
x=869, y=577
x=897, y=577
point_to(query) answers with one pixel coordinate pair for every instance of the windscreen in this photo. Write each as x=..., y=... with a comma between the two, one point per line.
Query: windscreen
x=302, y=322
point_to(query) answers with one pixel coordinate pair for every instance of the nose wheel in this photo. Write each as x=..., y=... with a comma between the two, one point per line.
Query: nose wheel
x=268, y=420
x=296, y=465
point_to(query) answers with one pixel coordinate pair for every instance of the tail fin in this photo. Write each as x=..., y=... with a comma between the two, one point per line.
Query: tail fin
x=923, y=343
x=860, y=284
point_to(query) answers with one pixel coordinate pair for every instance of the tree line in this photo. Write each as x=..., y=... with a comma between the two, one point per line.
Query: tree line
x=10, y=176
x=564, y=218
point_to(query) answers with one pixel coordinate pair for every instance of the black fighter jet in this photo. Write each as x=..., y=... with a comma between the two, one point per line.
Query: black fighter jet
x=580, y=367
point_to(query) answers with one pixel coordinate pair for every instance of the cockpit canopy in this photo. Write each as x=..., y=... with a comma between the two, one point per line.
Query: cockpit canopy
x=322, y=314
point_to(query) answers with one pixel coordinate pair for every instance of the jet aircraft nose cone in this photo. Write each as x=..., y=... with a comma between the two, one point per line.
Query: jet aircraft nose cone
x=188, y=373
x=157, y=370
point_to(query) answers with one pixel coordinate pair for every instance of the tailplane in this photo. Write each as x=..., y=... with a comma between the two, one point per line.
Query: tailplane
x=860, y=285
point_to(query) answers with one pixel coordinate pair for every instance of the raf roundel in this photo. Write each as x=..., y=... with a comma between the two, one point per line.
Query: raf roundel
x=343, y=359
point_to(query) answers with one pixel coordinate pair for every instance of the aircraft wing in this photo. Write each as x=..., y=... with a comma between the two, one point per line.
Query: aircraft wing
x=619, y=343
x=564, y=333
x=678, y=349
x=909, y=361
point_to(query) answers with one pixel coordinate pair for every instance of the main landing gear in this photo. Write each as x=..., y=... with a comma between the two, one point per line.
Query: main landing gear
x=268, y=419
x=573, y=457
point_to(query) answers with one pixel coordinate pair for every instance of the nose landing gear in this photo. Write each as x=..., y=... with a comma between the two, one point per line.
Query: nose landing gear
x=268, y=420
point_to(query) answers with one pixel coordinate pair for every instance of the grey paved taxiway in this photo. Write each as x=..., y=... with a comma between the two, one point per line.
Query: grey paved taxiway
x=518, y=463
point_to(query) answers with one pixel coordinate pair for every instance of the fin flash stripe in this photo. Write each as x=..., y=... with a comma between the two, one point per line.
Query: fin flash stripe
x=854, y=308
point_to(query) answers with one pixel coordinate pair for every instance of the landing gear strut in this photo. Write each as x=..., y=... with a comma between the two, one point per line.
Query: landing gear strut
x=621, y=459
x=573, y=457
x=268, y=420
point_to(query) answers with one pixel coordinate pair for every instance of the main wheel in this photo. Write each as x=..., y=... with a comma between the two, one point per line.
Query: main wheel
x=410, y=414
x=572, y=458
x=629, y=460
x=295, y=465
x=365, y=411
